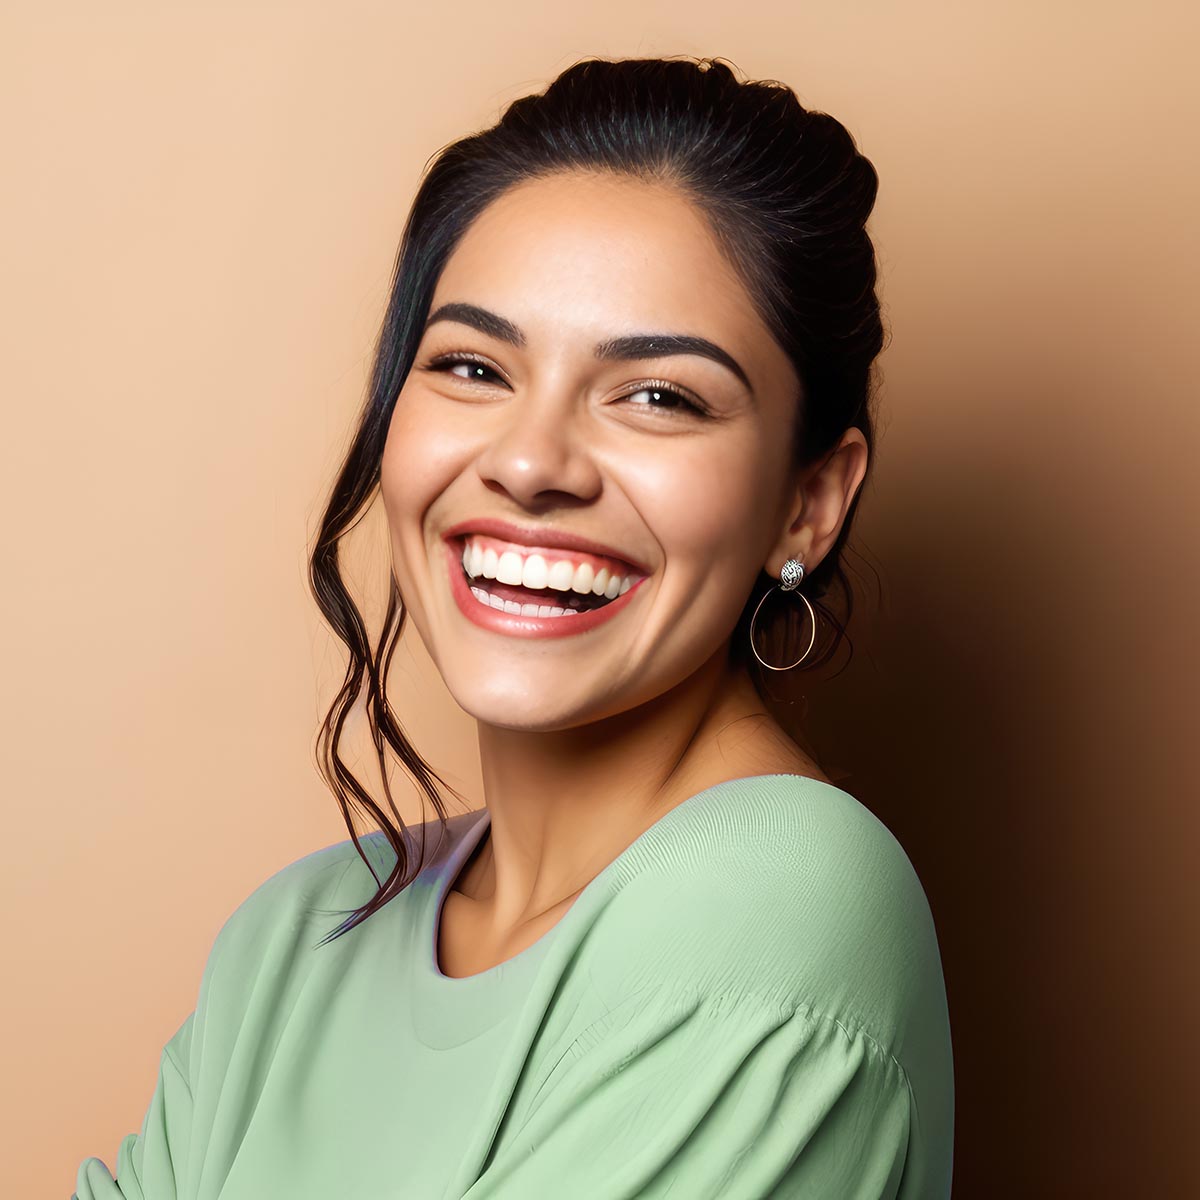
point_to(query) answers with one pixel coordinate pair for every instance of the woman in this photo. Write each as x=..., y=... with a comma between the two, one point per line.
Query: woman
x=619, y=419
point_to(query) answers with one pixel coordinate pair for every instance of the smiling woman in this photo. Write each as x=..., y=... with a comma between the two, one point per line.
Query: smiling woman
x=620, y=398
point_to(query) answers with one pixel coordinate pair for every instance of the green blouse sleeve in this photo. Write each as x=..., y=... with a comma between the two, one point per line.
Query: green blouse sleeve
x=714, y=1098
x=164, y=1160
x=150, y=1164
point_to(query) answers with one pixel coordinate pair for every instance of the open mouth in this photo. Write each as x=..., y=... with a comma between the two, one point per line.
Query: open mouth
x=547, y=597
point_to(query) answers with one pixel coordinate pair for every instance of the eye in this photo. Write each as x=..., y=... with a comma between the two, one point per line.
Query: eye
x=665, y=399
x=477, y=368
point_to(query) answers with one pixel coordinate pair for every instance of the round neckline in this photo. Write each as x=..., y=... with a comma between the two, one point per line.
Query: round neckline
x=471, y=839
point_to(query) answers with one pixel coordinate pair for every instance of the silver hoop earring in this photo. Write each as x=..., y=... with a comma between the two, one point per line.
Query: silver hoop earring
x=790, y=577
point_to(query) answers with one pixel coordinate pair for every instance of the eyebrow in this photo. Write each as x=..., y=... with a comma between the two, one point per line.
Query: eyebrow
x=633, y=346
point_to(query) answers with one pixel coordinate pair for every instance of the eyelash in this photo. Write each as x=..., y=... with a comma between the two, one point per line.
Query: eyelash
x=442, y=361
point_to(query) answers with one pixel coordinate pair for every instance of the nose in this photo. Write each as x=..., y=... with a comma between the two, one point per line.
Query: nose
x=539, y=448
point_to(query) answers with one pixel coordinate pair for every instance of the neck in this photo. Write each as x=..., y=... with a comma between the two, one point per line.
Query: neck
x=565, y=803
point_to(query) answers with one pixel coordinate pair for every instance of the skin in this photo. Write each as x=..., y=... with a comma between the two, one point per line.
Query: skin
x=586, y=741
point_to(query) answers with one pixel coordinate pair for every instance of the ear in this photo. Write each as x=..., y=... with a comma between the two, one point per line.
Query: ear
x=821, y=497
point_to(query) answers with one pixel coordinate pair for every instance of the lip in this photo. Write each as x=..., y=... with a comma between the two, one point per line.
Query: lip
x=541, y=538
x=515, y=625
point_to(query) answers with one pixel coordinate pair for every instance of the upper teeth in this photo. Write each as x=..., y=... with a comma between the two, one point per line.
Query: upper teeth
x=534, y=571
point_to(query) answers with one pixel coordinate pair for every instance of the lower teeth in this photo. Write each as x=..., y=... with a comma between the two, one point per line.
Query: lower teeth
x=524, y=610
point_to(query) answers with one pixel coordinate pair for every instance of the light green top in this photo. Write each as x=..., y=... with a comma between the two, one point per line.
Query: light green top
x=748, y=1002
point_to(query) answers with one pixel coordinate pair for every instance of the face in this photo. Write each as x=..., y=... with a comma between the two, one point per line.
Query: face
x=672, y=462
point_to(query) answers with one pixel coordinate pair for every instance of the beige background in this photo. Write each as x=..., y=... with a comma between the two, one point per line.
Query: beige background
x=202, y=204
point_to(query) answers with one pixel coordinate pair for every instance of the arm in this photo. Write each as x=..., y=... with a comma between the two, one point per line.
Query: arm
x=716, y=1099
x=150, y=1164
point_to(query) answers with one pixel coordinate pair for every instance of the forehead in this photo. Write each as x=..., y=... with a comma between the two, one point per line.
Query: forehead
x=591, y=255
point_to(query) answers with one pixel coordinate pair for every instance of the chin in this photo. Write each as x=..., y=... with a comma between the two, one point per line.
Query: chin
x=517, y=709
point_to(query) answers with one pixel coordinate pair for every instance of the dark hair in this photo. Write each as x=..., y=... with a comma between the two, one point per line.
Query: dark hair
x=787, y=196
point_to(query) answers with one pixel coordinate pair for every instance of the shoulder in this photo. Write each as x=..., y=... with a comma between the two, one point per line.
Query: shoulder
x=834, y=873
x=307, y=899
x=261, y=948
x=792, y=888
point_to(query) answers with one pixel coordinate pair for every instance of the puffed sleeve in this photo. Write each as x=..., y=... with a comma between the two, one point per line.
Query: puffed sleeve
x=714, y=1098
x=150, y=1164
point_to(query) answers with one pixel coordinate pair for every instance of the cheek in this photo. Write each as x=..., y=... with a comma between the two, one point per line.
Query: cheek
x=705, y=509
x=414, y=465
